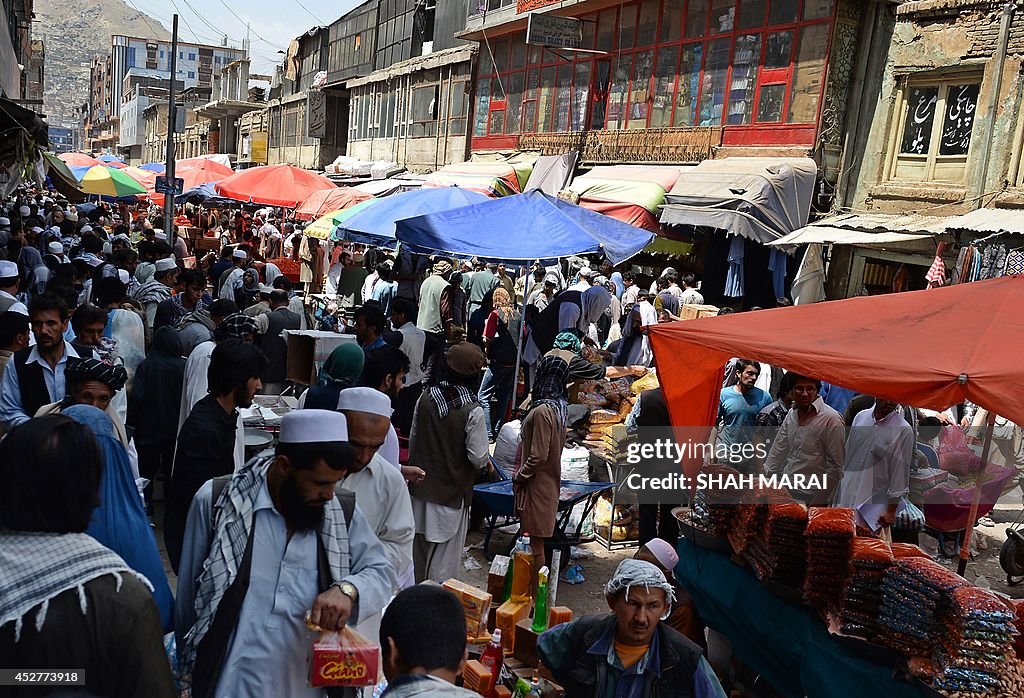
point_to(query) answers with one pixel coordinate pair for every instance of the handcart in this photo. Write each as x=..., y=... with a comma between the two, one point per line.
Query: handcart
x=498, y=501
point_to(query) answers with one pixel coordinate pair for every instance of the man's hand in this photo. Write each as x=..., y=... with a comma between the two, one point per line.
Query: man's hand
x=413, y=474
x=331, y=610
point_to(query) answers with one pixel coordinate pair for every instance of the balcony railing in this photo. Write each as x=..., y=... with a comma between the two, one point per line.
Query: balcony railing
x=653, y=145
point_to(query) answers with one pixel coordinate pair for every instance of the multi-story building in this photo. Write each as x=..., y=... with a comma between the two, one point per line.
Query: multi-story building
x=15, y=48
x=196, y=66
x=191, y=132
x=35, y=72
x=62, y=139
x=235, y=93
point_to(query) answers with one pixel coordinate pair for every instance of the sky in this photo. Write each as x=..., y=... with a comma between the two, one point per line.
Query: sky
x=273, y=23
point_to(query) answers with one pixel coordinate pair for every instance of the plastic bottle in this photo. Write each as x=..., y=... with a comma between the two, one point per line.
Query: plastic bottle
x=506, y=594
x=493, y=656
x=540, y=608
x=535, y=690
x=523, y=570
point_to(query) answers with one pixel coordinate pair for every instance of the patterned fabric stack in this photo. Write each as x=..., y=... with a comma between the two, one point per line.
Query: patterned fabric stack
x=829, y=535
x=778, y=553
x=976, y=640
x=862, y=595
x=911, y=592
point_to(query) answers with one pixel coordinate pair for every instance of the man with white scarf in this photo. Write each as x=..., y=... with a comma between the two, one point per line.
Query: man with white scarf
x=274, y=546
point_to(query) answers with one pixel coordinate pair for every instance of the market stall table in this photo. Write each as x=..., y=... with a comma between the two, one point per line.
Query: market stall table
x=787, y=644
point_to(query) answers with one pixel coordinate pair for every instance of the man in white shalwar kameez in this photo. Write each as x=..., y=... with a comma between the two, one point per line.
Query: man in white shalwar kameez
x=380, y=489
x=876, y=475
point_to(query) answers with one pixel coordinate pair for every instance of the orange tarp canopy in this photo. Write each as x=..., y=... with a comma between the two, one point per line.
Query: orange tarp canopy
x=322, y=202
x=273, y=185
x=930, y=349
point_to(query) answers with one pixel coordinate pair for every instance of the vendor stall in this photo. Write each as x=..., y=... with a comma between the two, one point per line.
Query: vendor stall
x=490, y=178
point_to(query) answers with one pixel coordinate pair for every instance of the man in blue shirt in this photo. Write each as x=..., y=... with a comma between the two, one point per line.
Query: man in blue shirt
x=369, y=323
x=740, y=403
x=631, y=653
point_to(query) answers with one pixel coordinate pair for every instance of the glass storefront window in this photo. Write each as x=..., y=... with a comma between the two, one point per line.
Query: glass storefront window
x=518, y=55
x=783, y=11
x=606, y=31
x=689, y=84
x=647, y=25
x=752, y=13
x=723, y=15
x=481, y=112
x=529, y=124
x=617, y=93
x=769, y=104
x=514, y=105
x=563, y=96
x=743, y=84
x=664, y=86
x=778, y=50
x=602, y=78
x=712, y=89
x=580, y=96
x=672, y=20
x=696, y=18
x=808, y=70
x=627, y=27
x=817, y=9
x=640, y=92
x=545, y=104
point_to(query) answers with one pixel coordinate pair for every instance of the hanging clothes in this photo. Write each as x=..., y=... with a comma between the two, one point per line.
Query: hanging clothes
x=936, y=275
x=1014, y=262
x=734, y=276
x=809, y=283
x=777, y=265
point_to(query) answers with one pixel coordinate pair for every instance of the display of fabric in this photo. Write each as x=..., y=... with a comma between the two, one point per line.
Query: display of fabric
x=778, y=550
x=976, y=640
x=862, y=595
x=734, y=275
x=1014, y=262
x=911, y=592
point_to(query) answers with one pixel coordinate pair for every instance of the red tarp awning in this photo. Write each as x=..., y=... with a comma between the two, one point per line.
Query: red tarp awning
x=323, y=202
x=274, y=185
x=930, y=349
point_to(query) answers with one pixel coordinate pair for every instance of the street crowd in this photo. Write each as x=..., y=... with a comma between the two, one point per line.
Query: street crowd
x=128, y=356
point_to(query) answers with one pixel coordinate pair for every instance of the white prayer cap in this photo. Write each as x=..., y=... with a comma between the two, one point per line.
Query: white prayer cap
x=165, y=264
x=313, y=426
x=55, y=248
x=107, y=248
x=161, y=235
x=19, y=308
x=25, y=211
x=124, y=276
x=369, y=400
x=36, y=229
x=86, y=229
x=5, y=221
x=8, y=269
x=266, y=290
x=239, y=254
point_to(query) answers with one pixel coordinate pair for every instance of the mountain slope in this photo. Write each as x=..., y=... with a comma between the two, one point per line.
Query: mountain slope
x=74, y=32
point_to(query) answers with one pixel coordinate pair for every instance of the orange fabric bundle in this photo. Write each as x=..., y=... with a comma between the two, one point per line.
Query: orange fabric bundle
x=902, y=550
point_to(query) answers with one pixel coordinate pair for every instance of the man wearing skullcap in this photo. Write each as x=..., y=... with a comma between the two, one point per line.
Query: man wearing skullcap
x=10, y=279
x=428, y=316
x=449, y=442
x=274, y=544
x=232, y=277
x=157, y=290
x=34, y=376
x=684, y=617
x=378, y=485
x=630, y=652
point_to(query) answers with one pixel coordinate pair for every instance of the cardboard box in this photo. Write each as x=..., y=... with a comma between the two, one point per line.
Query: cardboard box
x=496, y=576
x=688, y=311
x=525, y=649
x=344, y=659
x=307, y=351
x=476, y=604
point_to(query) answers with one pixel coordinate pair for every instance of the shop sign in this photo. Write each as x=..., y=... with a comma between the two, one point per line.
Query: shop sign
x=255, y=145
x=556, y=32
x=523, y=6
x=316, y=114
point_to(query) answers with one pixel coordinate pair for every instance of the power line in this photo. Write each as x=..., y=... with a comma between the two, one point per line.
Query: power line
x=270, y=43
x=145, y=19
x=318, y=20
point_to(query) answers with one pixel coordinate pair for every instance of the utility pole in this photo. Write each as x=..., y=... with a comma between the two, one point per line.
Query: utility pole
x=171, y=121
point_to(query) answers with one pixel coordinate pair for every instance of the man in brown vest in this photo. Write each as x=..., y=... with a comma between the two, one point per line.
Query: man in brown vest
x=449, y=442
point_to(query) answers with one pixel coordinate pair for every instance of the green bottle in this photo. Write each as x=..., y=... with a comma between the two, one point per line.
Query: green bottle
x=506, y=594
x=540, y=609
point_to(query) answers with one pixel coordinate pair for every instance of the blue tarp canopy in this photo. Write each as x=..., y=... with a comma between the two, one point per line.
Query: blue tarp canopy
x=522, y=227
x=376, y=224
x=203, y=194
x=154, y=167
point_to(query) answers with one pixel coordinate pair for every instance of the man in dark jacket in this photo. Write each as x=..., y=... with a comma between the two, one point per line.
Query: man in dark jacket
x=273, y=342
x=206, y=442
x=630, y=653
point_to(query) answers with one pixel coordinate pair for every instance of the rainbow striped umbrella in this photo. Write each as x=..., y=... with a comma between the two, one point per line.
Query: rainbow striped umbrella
x=108, y=181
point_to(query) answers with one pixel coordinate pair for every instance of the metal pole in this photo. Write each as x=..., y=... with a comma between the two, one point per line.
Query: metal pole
x=169, y=158
x=965, y=549
x=519, y=340
x=993, y=99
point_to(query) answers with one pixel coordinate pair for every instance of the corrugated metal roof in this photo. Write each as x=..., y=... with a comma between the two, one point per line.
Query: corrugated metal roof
x=989, y=220
x=886, y=222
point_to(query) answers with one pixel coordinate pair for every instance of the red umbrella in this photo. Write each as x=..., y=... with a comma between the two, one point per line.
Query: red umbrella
x=202, y=165
x=274, y=185
x=326, y=200
x=79, y=160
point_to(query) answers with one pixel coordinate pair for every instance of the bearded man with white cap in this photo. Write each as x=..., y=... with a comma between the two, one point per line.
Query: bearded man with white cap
x=378, y=485
x=630, y=652
x=232, y=278
x=157, y=290
x=274, y=545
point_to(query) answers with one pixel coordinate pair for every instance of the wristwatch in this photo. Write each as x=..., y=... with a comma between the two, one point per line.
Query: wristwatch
x=349, y=590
